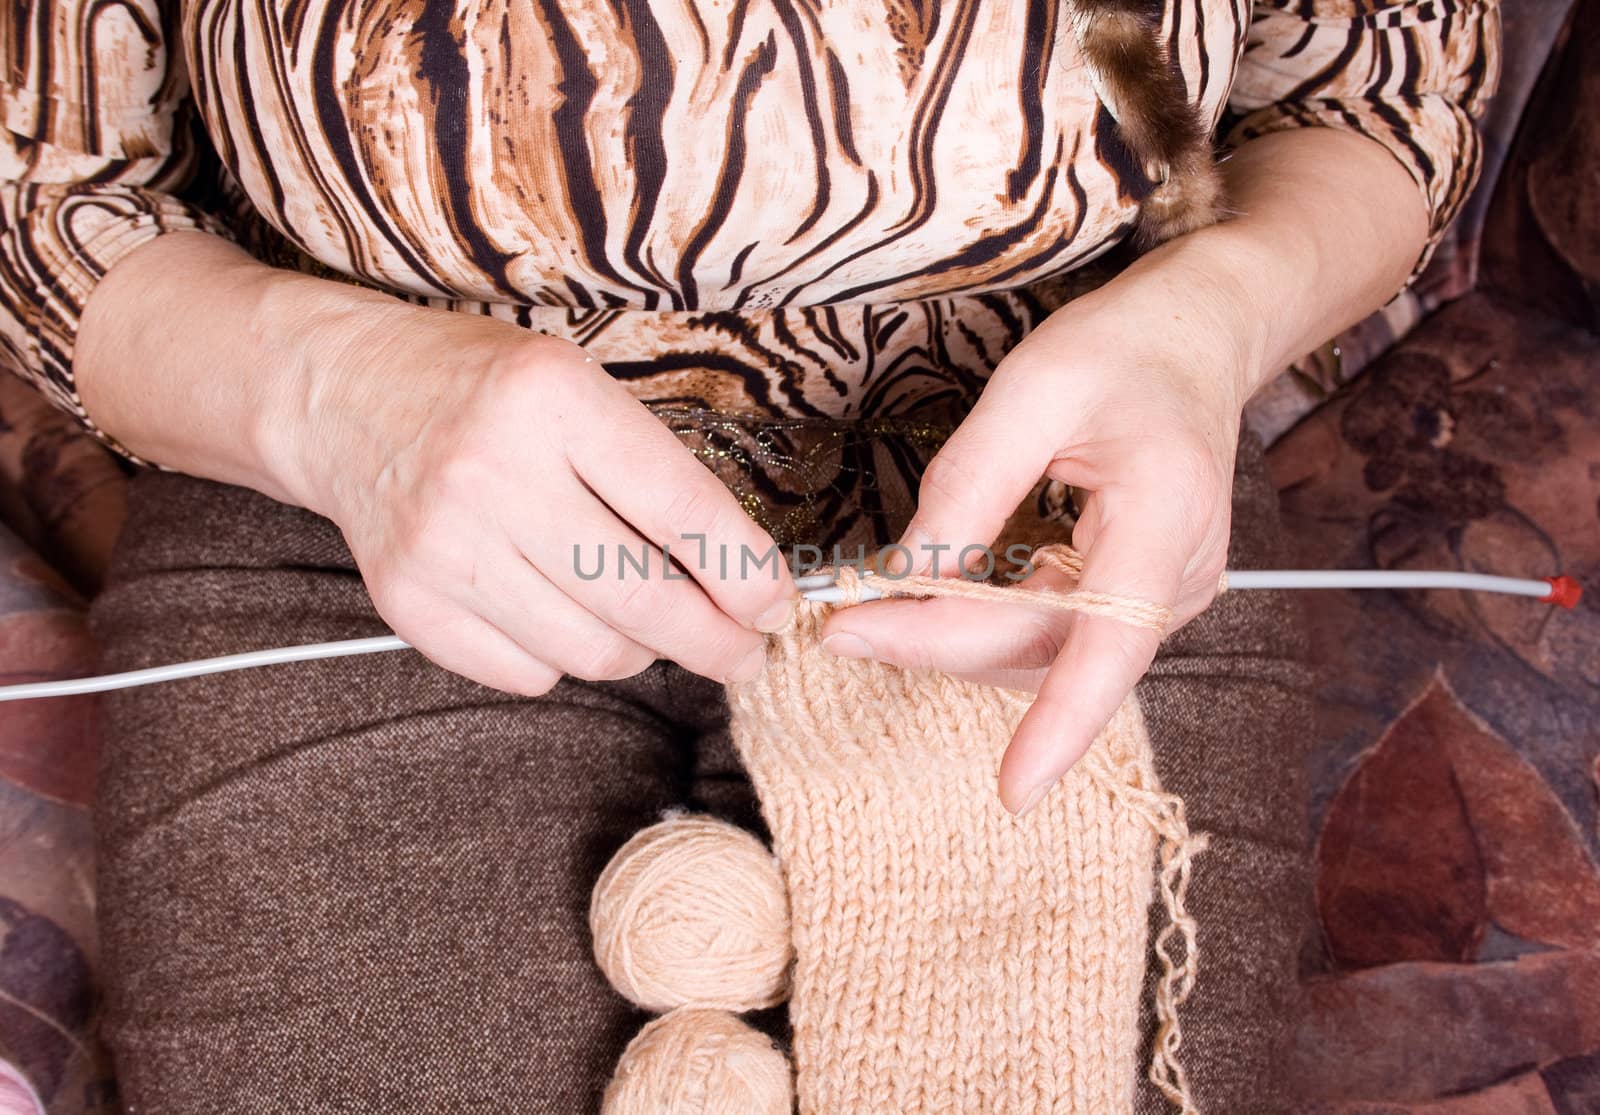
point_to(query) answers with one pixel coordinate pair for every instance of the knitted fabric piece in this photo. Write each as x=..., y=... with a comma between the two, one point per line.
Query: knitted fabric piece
x=950, y=956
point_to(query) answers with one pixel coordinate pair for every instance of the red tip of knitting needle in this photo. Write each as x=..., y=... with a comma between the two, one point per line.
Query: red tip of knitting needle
x=1563, y=591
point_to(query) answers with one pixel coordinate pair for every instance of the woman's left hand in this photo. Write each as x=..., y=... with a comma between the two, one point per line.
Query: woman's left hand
x=1131, y=394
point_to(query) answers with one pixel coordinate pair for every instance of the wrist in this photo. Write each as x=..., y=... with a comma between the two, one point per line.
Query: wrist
x=1181, y=309
x=243, y=385
x=325, y=340
x=1214, y=285
x=1329, y=224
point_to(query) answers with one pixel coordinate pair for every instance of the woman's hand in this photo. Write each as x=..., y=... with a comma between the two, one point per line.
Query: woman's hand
x=480, y=472
x=490, y=480
x=1131, y=394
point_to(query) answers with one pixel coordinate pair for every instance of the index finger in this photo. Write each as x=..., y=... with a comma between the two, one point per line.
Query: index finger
x=1141, y=559
x=652, y=481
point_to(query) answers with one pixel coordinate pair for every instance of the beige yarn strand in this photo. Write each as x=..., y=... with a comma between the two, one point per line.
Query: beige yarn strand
x=1058, y=556
x=1164, y=813
x=1127, y=609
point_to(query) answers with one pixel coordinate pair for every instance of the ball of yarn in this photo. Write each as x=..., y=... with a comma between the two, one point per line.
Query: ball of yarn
x=695, y=1061
x=693, y=911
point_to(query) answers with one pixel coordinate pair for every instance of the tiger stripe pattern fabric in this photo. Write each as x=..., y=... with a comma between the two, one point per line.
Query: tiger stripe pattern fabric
x=816, y=209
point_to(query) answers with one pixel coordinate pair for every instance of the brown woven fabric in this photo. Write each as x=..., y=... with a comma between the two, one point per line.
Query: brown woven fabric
x=356, y=885
x=1229, y=711
x=362, y=884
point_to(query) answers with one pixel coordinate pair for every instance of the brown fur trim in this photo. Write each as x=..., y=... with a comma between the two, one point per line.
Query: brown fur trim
x=1191, y=198
x=1146, y=95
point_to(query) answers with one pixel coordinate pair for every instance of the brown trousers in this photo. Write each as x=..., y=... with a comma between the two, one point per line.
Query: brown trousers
x=361, y=885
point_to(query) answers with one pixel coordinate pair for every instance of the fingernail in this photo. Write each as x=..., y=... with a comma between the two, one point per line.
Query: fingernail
x=776, y=618
x=749, y=666
x=843, y=644
x=1034, y=798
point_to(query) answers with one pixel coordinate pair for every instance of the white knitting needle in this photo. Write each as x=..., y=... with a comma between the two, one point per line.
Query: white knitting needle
x=1555, y=590
x=305, y=653
x=1561, y=590
x=818, y=580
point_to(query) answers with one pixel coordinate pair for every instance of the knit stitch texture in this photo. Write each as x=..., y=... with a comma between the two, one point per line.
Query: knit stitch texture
x=950, y=957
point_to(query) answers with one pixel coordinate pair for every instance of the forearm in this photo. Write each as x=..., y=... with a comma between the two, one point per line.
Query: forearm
x=1327, y=229
x=197, y=356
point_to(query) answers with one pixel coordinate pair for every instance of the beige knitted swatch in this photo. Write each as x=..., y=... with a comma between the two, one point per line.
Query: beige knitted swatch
x=949, y=956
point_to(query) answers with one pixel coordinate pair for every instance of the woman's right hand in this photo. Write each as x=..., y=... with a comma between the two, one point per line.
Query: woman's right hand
x=463, y=458
x=482, y=473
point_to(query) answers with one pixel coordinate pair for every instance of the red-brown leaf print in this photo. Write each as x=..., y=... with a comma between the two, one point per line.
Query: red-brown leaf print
x=1542, y=885
x=1441, y=830
x=49, y=747
x=1410, y=1032
x=1399, y=873
x=1526, y=1095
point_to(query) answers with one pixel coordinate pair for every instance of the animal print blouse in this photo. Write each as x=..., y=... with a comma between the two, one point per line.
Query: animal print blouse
x=820, y=211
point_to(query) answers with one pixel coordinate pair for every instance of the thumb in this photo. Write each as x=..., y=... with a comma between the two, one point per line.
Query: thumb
x=972, y=485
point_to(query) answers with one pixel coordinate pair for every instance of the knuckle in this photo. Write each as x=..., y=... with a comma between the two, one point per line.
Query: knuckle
x=637, y=604
x=947, y=479
x=546, y=350
x=1038, y=642
x=401, y=536
x=399, y=600
x=462, y=478
x=523, y=367
x=439, y=556
x=434, y=535
x=543, y=370
x=939, y=477
x=608, y=660
x=698, y=509
x=727, y=653
x=535, y=681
